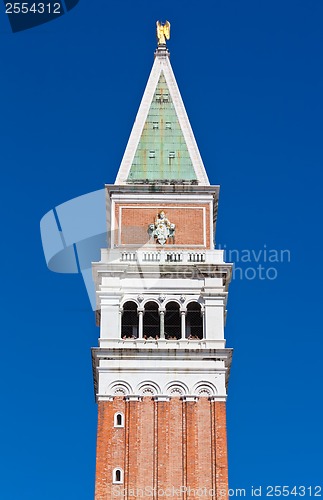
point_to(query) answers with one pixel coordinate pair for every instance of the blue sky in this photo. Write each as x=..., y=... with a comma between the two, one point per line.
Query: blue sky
x=250, y=74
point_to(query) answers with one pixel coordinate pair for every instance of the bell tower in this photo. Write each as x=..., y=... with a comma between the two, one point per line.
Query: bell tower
x=161, y=369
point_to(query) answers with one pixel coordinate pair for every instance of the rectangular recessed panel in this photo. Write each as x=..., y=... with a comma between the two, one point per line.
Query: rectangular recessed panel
x=191, y=224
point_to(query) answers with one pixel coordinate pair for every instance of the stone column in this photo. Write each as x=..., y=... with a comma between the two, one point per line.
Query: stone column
x=162, y=324
x=203, y=323
x=141, y=323
x=120, y=322
x=183, y=324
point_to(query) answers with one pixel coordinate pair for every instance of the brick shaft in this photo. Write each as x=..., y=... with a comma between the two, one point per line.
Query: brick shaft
x=163, y=445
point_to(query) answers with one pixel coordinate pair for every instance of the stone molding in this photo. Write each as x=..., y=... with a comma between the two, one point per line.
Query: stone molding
x=150, y=388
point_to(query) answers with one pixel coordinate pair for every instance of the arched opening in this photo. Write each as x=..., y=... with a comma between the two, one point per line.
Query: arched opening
x=194, y=321
x=172, y=321
x=117, y=476
x=151, y=321
x=129, y=321
x=118, y=420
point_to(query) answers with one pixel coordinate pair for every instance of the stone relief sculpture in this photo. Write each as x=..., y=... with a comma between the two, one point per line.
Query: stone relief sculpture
x=162, y=229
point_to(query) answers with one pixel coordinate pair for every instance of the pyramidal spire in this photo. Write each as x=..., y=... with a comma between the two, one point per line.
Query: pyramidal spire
x=162, y=146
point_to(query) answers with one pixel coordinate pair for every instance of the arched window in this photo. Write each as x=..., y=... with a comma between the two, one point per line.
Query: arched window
x=117, y=476
x=172, y=321
x=129, y=321
x=194, y=321
x=151, y=321
x=118, y=419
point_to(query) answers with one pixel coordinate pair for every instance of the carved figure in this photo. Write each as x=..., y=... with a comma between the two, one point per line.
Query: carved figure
x=162, y=229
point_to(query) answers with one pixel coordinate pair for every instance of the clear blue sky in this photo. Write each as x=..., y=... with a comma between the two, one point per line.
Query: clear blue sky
x=250, y=73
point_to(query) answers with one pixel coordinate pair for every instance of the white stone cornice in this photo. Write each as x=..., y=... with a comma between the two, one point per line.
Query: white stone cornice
x=184, y=352
x=192, y=197
x=149, y=370
x=160, y=345
x=104, y=397
x=214, y=399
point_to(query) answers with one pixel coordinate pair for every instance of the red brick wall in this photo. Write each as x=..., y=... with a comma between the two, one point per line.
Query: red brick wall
x=190, y=223
x=146, y=474
x=163, y=445
x=221, y=456
x=111, y=447
x=204, y=445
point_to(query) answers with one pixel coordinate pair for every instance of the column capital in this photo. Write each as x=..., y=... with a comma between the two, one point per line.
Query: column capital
x=104, y=397
x=133, y=397
x=215, y=399
x=190, y=399
x=161, y=398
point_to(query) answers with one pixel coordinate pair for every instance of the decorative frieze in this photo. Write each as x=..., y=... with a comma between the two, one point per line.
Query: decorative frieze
x=175, y=388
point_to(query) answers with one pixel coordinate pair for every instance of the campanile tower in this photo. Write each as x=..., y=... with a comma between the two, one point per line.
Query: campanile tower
x=161, y=369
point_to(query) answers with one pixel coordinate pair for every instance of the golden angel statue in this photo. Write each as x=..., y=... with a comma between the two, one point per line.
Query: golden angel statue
x=163, y=32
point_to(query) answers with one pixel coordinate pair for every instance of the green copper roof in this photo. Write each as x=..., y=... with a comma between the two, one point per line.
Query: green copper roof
x=162, y=151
